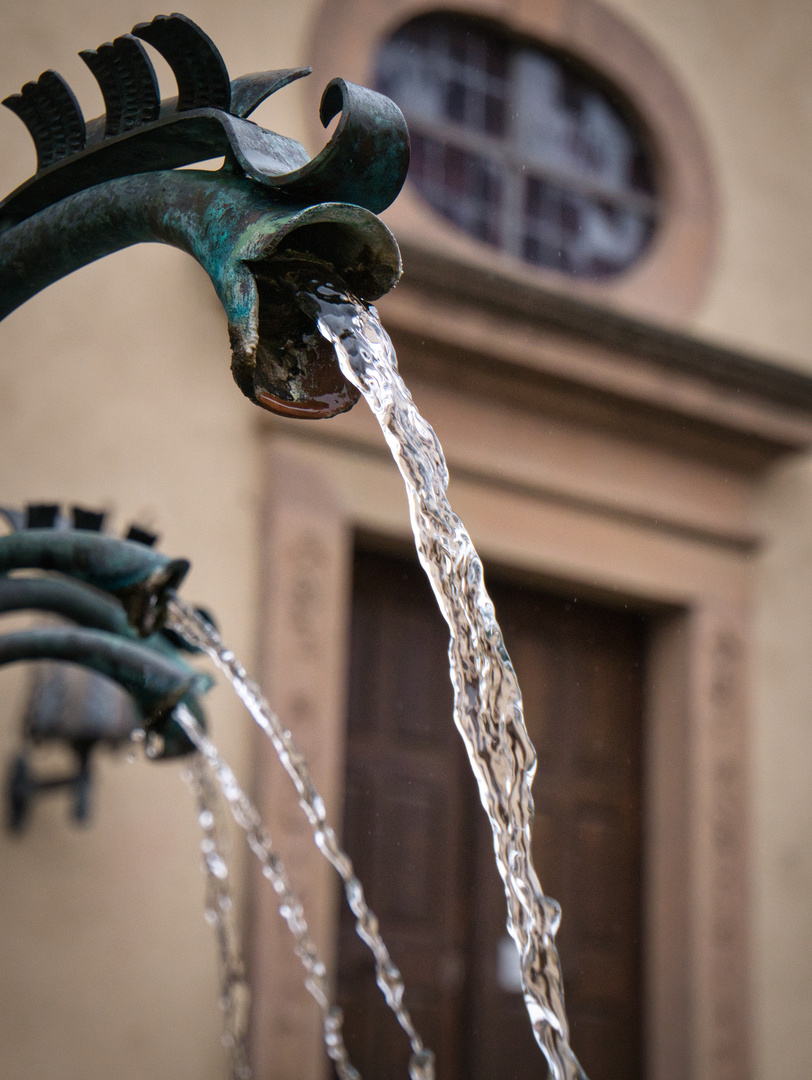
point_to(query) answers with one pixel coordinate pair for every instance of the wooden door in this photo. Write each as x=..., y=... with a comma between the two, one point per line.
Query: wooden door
x=422, y=847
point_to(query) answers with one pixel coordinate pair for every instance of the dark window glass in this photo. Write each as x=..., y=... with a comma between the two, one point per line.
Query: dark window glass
x=521, y=147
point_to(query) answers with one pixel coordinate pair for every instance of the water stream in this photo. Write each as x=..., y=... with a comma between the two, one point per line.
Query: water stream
x=487, y=702
x=290, y=906
x=487, y=699
x=186, y=621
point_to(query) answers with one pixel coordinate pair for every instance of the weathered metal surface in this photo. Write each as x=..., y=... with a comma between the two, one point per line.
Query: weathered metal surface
x=136, y=575
x=76, y=707
x=266, y=218
x=107, y=184
x=67, y=704
x=365, y=162
x=71, y=704
x=85, y=607
x=155, y=682
x=236, y=230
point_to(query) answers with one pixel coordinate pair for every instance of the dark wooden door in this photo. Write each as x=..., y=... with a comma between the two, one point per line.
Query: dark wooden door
x=422, y=847
x=404, y=819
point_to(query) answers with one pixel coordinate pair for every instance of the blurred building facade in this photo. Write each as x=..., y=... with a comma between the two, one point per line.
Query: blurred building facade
x=604, y=313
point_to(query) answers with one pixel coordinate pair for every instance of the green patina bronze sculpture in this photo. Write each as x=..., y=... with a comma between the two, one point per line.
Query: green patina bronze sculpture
x=109, y=596
x=135, y=574
x=254, y=225
x=115, y=181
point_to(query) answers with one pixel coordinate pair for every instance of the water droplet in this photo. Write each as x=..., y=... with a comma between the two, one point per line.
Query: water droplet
x=155, y=745
x=217, y=867
x=421, y=1065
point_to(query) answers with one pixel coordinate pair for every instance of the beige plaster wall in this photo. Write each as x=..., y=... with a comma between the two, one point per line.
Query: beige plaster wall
x=107, y=966
x=745, y=64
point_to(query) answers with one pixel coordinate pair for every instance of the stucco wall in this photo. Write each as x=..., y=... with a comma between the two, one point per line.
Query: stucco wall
x=114, y=389
x=746, y=68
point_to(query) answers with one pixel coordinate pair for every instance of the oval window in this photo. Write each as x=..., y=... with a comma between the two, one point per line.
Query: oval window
x=521, y=146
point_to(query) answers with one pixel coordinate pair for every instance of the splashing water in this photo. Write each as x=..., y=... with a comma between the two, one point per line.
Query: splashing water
x=487, y=699
x=290, y=906
x=235, y=996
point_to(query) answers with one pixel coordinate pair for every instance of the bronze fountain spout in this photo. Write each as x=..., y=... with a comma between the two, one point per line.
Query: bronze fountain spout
x=115, y=181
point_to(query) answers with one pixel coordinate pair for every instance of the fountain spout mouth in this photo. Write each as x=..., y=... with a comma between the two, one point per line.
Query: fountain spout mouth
x=279, y=359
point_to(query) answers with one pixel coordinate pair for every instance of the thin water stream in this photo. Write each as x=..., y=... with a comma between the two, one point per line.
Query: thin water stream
x=186, y=621
x=235, y=997
x=290, y=906
x=487, y=699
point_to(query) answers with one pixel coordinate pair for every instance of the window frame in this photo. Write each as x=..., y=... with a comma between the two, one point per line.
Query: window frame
x=505, y=222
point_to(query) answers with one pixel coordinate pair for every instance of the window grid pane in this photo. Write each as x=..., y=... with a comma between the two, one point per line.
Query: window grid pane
x=519, y=147
x=461, y=186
